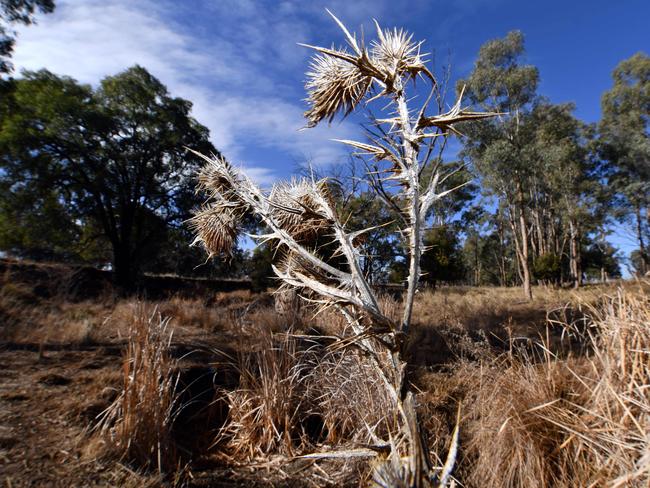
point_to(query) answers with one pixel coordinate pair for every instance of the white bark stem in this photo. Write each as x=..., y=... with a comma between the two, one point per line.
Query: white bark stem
x=412, y=167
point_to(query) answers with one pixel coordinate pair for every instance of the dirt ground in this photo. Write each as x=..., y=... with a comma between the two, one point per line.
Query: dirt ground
x=47, y=401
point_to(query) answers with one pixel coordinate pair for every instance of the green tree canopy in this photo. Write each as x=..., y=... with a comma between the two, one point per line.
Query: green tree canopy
x=443, y=260
x=115, y=156
x=625, y=144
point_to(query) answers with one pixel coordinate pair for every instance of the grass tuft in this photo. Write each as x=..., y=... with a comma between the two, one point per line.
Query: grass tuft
x=136, y=428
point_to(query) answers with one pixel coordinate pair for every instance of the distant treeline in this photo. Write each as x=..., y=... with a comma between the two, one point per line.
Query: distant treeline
x=77, y=283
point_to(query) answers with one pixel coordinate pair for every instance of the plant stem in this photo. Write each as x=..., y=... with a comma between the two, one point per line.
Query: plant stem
x=412, y=169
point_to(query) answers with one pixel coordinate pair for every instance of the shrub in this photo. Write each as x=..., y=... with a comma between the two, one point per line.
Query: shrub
x=548, y=267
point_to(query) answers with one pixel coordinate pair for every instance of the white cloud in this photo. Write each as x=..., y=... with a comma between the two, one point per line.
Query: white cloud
x=262, y=176
x=231, y=76
x=93, y=39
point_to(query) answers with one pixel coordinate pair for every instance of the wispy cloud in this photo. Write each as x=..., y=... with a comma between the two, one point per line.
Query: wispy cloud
x=235, y=72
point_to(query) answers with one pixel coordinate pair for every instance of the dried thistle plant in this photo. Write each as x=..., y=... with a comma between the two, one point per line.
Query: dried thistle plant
x=401, y=147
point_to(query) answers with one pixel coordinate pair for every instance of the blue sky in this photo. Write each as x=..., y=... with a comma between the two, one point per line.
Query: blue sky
x=238, y=61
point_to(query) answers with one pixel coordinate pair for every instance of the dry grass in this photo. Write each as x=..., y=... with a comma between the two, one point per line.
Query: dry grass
x=295, y=394
x=27, y=318
x=264, y=411
x=136, y=428
x=492, y=309
x=541, y=420
x=348, y=397
x=609, y=433
x=529, y=417
x=506, y=442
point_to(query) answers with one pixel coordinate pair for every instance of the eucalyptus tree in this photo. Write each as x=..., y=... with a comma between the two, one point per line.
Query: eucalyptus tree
x=572, y=182
x=338, y=81
x=501, y=150
x=625, y=144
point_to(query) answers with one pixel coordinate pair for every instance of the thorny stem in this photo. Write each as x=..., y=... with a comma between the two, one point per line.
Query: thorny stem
x=411, y=166
x=412, y=169
x=352, y=257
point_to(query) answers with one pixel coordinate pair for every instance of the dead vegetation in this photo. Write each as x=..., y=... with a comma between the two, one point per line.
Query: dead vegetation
x=243, y=396
x=537, y=419
x=136, y=428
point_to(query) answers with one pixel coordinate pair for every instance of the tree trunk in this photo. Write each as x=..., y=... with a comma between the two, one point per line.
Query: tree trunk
x=520, y=236
x=578, y=258
x=524, y=255
x=502, y=255
x=639, y=235
x=575, y=260
x=123, y=269
x=126, y=260
x=540, y=246
x=477, y=269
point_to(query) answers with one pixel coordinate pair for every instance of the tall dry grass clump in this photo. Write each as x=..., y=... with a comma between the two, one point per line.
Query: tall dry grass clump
x=296, y=393
x=505, y=441
x=265, y=410
x=609, y=434
x=579, y=421
x=136, y=428
x=346, y=393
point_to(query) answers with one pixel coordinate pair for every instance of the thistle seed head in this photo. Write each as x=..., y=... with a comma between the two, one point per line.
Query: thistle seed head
x=216, y=229
x=338, y=79
x=394, y=53
x=290, y=263
x=296, y=209
x=215, y=178
x=333, y=85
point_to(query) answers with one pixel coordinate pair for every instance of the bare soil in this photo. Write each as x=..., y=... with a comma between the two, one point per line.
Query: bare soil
x=47, y=401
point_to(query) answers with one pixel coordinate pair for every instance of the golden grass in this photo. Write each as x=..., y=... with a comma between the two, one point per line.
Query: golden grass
x=136, y=428
x=348, y=397
x=529, y=417
x=540, y=420
x=609, y=433
x=264, y=410
x=506, y=442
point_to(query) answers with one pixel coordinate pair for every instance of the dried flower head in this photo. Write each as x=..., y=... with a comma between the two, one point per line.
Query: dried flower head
x=217, y=228
x=213, y=180
x=394, y=53
x=291, y=264
x=333, y=85
x=297, y=210
x=218, y=179
x=339, y=79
